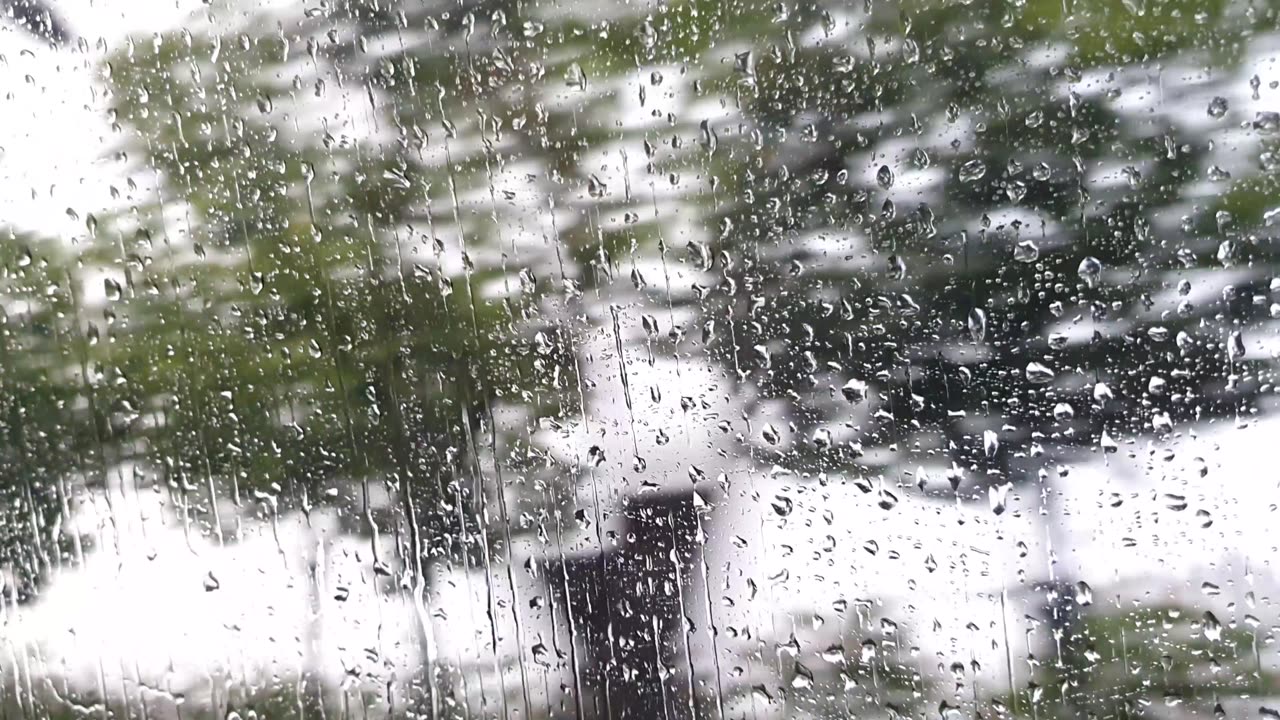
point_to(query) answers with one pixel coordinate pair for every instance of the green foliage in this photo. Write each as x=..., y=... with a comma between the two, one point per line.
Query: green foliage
x=1117, y=664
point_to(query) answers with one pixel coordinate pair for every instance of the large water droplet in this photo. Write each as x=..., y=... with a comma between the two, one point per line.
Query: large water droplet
x=770, y=434
x=1102, y=394
x=884, y=177
x=1039, y=374
x=977, y=325
x=1026, y=251
x=855, y=391
x=990, y=443
x=1235, y=348
x=1107, y=443
x=972, y=171
x=1089, y=271
x=1084, y=594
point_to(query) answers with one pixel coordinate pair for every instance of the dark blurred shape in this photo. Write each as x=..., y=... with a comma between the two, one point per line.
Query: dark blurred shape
x=639, y=591
x=38, y=19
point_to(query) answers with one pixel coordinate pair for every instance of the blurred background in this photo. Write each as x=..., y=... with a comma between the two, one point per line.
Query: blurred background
x=746, y=359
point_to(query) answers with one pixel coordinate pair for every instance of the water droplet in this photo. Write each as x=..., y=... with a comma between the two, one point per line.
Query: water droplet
x=764, y=356
x=1084, y=594
x=650, y=325
x=887, y=500
x=699, y=255
x=1089, y=270
x=1212, y=628
x=782, y=505
x=822, y=438
x=770, y=434
x=990, y=443
x=1133, y=176
x=1026, y=251
x=1107, y=443
x=528, y=281
x=1039, y=374
x=1235, y=347
x=574, y=77
x=595, y=456
x=977, y=325
x=855, y=391
x=648, y=36
x=998, y=497
x=884, y=177
x=596, y=187
x=1016, y=190
x=708, y=138
x=1102, y=394
x=897, y=267
x=112, y=288
x=803, y=678
x=1217, y=107
x=972, y=171
x=1227, y=252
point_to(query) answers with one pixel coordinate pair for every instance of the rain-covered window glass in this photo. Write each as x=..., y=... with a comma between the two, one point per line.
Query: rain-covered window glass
x=680, y=359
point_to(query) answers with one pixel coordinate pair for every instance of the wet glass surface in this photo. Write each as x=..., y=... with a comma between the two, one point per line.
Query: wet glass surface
x=512, y=359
